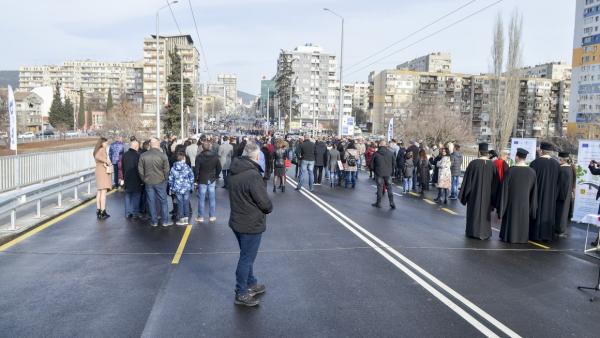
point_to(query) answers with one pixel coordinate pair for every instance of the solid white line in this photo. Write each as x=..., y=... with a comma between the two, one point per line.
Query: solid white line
x=395, y=193
x=416, y=267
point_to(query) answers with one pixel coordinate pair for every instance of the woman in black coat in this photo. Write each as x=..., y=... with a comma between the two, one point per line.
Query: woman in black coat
x=423, y=168
x=320, y=159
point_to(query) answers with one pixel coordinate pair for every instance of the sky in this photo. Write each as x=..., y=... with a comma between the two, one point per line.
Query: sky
x=244, y=37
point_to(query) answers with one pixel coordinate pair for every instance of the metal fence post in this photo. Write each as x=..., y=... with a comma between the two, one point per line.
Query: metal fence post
x=13, y=219
x=75, y=194
x=59, y=202
x=89, y=188
x=38, y=208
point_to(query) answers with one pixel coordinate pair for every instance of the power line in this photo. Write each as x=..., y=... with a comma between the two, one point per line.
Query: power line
x=173, y=15
x=411, y=34
x=199, y=40
x=425, y=37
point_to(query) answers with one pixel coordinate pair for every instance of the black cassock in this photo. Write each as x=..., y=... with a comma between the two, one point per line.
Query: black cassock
x=477, y=193
x=518, y=203
x=542, y=227
x=563, y=201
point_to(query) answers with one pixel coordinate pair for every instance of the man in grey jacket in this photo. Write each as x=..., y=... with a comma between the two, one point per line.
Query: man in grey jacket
x=154, y=171
x=225, y=153
x=333, y=156
x=456, y=159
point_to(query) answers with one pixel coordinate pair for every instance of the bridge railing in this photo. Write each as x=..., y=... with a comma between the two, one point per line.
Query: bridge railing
x=26, y=169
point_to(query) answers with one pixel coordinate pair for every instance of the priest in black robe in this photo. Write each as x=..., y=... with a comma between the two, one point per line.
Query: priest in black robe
x=477, y=193
x=547, y=170
x=565, y=194
x=518, y=200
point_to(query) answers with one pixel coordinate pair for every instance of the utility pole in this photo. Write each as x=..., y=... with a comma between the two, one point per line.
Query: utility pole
x=181, y=93
x=267, y=127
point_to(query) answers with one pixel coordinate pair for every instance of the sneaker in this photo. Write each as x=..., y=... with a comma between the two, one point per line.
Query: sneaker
x=181, y=221
x=154, y=225
x=246, y=300
x=200, y=219
x=376, y=205
x=212, y=219
x=317, y=184
x=168, y=224
x=256, y=289
x=393, y=206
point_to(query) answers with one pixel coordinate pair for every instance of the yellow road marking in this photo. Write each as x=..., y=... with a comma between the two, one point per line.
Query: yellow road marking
x=449, y=211
x=540, y=245
x=184, y=239
x=414, y=193
x=55, y=220
x=429, y=201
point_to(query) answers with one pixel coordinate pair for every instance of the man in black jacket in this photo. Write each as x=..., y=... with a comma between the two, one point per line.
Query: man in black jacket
x=307, y=155
x=249, y=206
x=383, y=166
x=207, y=169
x=130, y=180
x=594, y=168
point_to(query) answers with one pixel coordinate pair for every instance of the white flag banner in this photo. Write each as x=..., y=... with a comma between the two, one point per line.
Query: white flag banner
x=390, y=133
x=12, y=119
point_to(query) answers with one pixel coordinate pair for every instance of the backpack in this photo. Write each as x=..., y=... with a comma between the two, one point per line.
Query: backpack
x=351, y=161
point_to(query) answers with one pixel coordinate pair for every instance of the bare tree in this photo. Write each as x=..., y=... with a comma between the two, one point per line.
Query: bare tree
x=506, y=86
x=125, y=119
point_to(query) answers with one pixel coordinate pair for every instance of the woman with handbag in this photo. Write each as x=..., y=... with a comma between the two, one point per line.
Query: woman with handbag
x=104, y=171
x=281, y=163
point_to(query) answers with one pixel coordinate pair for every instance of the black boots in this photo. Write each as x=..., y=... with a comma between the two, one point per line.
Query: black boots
x=98, y=213
x=101, y=214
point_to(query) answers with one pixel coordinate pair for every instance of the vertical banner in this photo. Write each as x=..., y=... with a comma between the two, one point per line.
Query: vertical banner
x=529, y=144
x=390, y=131
x=587, y=184
x=12, y=119
x=347, y=125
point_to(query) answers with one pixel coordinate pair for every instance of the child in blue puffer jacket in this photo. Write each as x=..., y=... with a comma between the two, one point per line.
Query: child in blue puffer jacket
x=181, y=183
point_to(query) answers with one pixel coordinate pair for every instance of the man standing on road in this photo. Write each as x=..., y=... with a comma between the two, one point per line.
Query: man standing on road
x=547, y=171
x=307, y=155
x=154, y=171
x=114, y=153
x=383, y=167
x=249, y=205
x=191, y=151
x=131, y=181
x=456, y=159
x=225, y=156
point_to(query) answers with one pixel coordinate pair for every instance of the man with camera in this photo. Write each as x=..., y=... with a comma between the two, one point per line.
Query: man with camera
x=594, y=168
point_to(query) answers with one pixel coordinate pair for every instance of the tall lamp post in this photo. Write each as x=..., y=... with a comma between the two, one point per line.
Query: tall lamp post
x=341, y=105
x=169, y=3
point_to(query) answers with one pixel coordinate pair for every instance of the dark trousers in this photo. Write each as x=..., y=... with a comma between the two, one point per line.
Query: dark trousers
x=318, y=174
x=244, y=274
x=157, y=193
x=298, y=166
x=387, y=183
x=225, y=178
x=115, y=175
x=132, y=203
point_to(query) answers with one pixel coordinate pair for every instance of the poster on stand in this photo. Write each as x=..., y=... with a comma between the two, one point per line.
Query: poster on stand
x=347, y=125
x=529, y=144
x=587, y=184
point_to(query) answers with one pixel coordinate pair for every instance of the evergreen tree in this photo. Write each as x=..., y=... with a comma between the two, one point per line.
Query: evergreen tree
x=173, y=113
x=90, y=120
x=81, y=114
x=69, y=112
x=109, y=102
x=56, y=116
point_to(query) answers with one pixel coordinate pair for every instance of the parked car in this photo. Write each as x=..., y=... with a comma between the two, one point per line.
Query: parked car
x=27, y=135
x=71, y=133
x=46, y=132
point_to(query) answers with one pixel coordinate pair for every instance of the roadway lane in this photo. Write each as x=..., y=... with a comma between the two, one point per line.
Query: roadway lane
x=529, y=289
x=115, y=278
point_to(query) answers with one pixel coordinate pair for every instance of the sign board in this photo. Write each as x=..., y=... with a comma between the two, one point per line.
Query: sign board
x=347, y=125
x=12, y=119
x=587, y=185
x=295, y=125
x=529, y=144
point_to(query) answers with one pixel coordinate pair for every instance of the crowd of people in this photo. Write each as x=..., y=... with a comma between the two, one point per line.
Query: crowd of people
x=532, y=202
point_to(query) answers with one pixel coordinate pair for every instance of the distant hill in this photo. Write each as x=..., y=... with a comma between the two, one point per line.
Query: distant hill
x=246, y=98
x=9, y=77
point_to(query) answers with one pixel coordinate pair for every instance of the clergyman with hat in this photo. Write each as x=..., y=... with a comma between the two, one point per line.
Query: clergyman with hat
x=477, y=193
x=565, y=194
x=518, y=200
x=547, y=169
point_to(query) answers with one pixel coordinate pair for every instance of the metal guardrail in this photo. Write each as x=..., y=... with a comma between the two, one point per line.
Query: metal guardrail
x=466, y=160
x=26, y=169
x=14, y=200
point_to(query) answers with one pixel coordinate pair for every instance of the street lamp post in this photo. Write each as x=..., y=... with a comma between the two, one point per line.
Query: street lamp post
x=291, y=93
x=341, y=106
x=157, y=69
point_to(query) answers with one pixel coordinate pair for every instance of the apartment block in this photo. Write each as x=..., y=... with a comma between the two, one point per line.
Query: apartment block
x=433, y=63
x=359, y=92
x=229, y=82
x=551, y=70
x=29, y=110
x=182, y=44
x=315, y=85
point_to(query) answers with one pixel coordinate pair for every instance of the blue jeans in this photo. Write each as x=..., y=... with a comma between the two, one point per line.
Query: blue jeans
x=307, y=170
x=183, y=204
x=332, y=177
x=244, y=274
x=158, y=193
x=132, y=203
x=351, y=178
x=225, y=178
x=202, y=189
x=454, y=187
x=407, y=183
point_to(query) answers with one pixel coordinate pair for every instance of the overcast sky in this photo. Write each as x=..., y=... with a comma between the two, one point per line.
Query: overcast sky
x=244, y=37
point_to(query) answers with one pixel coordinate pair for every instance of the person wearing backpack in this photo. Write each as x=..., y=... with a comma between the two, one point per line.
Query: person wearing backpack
x=351, y=165
x=407, y=171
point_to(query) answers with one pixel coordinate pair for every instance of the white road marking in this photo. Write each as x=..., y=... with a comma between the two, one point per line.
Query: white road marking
x=362, y=233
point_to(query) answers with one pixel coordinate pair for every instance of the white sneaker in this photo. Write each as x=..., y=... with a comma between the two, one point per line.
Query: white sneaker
x=181, y=221
x=200, y=219
x=212, y=219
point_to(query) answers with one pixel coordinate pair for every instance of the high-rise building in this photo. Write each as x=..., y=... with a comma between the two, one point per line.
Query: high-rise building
x=360, y=95
x=584, y=111
x=315, y=86
x=229, y=81
x=551, y=70
x=182, y=44
x=433, y=63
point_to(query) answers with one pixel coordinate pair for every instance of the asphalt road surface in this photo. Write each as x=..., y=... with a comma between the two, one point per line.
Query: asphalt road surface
x=333, y=265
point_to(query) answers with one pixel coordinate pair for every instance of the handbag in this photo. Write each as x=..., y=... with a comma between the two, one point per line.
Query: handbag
x=288, y=163
x=109, y=169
